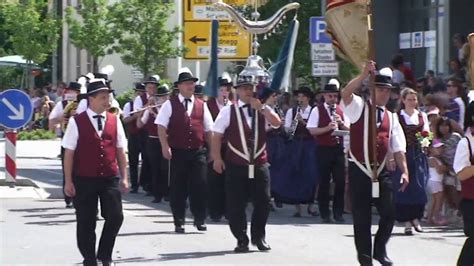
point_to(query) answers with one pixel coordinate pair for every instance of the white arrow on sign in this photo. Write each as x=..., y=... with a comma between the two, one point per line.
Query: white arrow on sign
x=18, y=114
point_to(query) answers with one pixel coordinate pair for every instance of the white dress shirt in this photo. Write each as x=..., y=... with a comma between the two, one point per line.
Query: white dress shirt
x=163, y=117
x=138, y=103
x=414, y=120
x=71, y=135
x=289, y=115
x=82, y=106
x=126, y=110
x=313, y=121
x=223, y=119
x=397, y=139
x=462, y=158
x=57, y=112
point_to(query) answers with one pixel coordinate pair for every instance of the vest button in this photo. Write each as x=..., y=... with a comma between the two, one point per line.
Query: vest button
x=101, y=155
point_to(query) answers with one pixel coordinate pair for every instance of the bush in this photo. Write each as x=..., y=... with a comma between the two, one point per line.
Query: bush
x=37, y=134
x=125, y=97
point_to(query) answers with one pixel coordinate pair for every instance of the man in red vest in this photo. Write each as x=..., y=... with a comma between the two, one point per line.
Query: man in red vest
x=184, y=124
x=133, y=138
x=464, y=167
x=364, y=189
x=324, y=119
x=95, y=145
x=141, y=101
x=216, y=182
x=234, y=122
x=158, y=166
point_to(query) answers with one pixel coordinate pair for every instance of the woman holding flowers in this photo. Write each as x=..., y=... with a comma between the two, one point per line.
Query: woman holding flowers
x=410, y=204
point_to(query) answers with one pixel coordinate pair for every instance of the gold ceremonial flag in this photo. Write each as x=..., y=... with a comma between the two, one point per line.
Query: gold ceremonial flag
x=347, y=25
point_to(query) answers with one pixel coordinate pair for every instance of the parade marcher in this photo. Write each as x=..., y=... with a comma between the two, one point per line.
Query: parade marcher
x=133, y=135
x=216, y=182
x=296, y=182
x=324, y=119
x=184, y=124
x=464, y=168
x=244, y=179
x=363, y=189
x=59, y=116
x=158, y=166
x=151, y=84
x=199, y=92
x=94, y=157
x=410, y=204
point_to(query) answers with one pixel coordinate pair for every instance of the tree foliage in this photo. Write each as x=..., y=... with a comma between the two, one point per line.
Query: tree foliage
x=145, y=41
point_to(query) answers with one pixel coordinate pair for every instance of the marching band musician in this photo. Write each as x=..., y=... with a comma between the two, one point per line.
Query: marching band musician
x=324, y=119
x=234, y=122
x=60, y=115
x=216, y=181
x=184, y=124
x=151, y=84
x=158, y=166
x=133, y=138
x=95, y=145
x=364, y=190
x=298, y=183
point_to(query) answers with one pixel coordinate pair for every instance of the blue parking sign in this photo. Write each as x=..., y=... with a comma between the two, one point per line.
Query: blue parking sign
x=317, y=30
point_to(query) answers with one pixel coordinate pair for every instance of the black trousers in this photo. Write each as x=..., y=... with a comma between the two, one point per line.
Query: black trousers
x=133, y=156
x=331, y=166
x=188, y=177
x=158, y=167
x=467, y=253
x=361, y=195
x=217, y=198
x=239, y=188
x=145, y=173
x=88, y=191
x=67, y=199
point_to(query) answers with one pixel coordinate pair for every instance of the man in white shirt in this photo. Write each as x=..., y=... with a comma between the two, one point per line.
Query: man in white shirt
x=366, y=189
x=94, y=158
x=184, y=124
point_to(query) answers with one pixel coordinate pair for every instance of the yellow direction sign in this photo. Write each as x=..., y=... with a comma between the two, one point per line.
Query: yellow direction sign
x=234, y=43
x=198, y=10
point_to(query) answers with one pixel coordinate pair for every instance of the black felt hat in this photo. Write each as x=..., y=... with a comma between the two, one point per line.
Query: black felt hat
x=97, y=85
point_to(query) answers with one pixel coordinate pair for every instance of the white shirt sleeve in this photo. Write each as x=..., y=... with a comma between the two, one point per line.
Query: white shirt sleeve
x=207, y=119
x=71, y=135
x=121, y=138
x=462, y=110
x=137, y=103
x=313, y=121
x=269, y=126
x=398, y=142
x=126, y=110
x=347, y=121
x=57, y=111
x=288, y=118
x=462, y=156
x=163, y=117
x=354, y=109
x=222, y=120
x=145, y=116
x=82, y=106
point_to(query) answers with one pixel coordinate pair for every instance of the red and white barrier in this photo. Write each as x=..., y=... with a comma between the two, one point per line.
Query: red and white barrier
x=10, y=157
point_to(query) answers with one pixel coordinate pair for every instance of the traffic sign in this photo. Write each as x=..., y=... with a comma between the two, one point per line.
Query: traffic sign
x=16, y=109
x=234, y=43
x=322, y=52
x=317, y=30
x=199, y=10
x=325, y=69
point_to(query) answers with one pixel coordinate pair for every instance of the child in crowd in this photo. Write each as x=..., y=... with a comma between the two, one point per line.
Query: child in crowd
x=435, y=183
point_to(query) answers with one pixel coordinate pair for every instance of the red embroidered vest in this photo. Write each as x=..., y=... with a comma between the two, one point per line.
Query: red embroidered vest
x=186, y=132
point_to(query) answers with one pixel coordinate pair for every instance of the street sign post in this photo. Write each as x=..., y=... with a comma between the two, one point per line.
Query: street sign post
x=322, y=52
x=234, y=43
x=16, y=111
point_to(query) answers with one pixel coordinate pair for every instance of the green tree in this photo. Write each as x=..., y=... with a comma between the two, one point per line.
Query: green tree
x=302, y=64
x=90, y=28
x=145, y=42
x=32, y=30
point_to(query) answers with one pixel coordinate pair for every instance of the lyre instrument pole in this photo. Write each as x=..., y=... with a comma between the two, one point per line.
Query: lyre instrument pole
x=372, y=113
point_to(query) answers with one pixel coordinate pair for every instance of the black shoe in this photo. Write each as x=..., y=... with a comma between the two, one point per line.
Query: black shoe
x=384, y=260
x=261, y=245
x=201, y=227
x=326, y=220
x=69, y=205
x=156, y=200
x=339, y=219
x=179, y=229
x=242, y=246
x=134, y=191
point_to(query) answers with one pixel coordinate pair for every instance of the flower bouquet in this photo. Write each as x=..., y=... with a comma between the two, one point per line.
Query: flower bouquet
x=424, y=138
